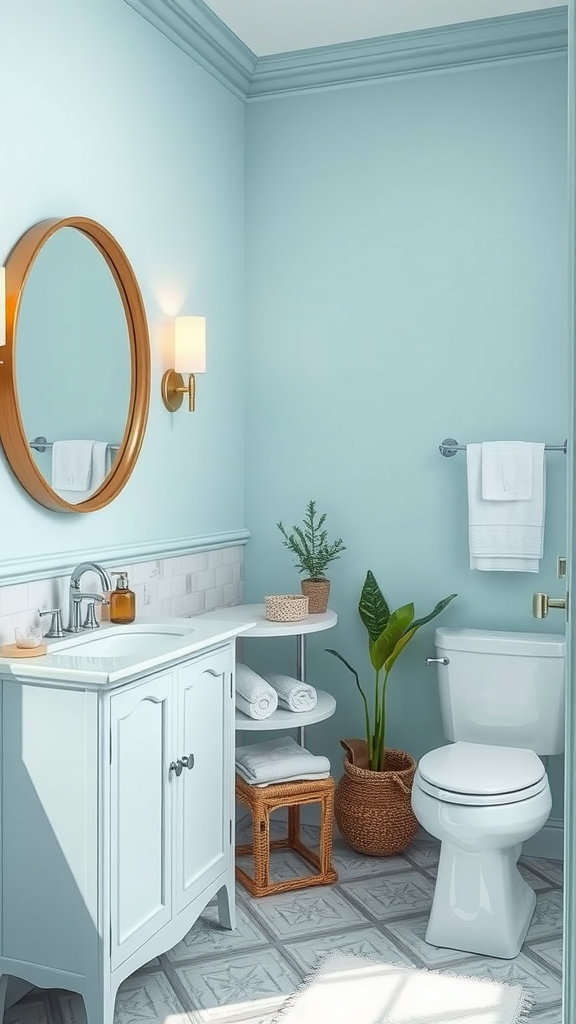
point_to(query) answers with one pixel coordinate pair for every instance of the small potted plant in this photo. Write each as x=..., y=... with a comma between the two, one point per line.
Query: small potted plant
x=313, y=554
x=372, y=801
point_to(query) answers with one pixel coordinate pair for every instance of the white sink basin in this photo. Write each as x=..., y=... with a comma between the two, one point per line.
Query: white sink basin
x=143, y=641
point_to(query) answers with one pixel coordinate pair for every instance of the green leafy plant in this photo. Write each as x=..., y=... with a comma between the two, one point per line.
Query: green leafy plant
x=309, y=544
x=388, y=635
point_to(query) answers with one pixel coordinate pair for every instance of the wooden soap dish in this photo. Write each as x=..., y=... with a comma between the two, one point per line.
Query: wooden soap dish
x=12, y=651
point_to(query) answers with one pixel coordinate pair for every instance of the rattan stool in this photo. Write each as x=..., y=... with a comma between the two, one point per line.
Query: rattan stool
x=262, y=800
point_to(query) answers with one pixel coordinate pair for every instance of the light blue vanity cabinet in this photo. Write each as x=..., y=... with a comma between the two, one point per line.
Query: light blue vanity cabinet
x=117, y=807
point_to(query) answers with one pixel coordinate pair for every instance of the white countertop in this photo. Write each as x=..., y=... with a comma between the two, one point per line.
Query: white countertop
x=259, y=625
x=62, y=666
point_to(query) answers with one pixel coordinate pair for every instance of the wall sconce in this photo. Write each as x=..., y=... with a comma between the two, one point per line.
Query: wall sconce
x=189, y=357
x=2, y=305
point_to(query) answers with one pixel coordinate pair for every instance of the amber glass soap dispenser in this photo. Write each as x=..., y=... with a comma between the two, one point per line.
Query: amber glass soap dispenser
x=122, y=601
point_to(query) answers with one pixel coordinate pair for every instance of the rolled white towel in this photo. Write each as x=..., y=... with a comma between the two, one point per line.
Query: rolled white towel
x=254, y=696
x=280, y=760
x=292, y=694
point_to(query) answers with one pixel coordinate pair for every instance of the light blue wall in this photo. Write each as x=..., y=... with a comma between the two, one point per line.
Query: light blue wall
x=103, y=117
x=406, y=282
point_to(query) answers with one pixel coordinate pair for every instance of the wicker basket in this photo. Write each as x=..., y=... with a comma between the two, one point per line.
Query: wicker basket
x=318, y=592
x=373, y=810
x=286, y=607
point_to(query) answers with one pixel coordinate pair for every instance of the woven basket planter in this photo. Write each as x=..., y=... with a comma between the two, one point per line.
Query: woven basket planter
x=373, y=809
x=317, y=592
x=286, y=607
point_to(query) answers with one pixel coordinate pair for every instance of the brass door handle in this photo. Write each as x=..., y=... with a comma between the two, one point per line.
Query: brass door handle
x=541, y=604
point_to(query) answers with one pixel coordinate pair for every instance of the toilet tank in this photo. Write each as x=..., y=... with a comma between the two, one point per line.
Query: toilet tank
x=502, y=688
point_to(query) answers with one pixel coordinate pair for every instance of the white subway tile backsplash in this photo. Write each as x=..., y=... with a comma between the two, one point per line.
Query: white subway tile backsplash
x=223, y=575
x=215, y=559
x=171, y=567
x=181, y=586
x=15, y=599
x=214, y=598
x=205, y=580
x=165, y=589
x=232, y=594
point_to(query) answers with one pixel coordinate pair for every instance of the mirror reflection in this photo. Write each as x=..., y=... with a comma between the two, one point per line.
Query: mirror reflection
x=73, y=365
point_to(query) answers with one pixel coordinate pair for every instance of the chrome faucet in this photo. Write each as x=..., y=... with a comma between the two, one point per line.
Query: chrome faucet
x=76, y=596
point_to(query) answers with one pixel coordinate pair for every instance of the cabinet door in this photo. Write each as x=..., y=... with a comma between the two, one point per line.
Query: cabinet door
x=203, y=806
x=141, y=826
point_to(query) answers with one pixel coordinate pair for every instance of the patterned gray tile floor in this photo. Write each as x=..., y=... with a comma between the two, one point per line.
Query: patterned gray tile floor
x=379, y=908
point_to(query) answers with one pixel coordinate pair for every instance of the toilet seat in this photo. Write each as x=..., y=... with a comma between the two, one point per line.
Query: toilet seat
x=478, y=774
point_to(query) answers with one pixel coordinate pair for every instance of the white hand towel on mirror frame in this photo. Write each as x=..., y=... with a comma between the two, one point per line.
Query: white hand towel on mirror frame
x=506, y=535
x=254, y=696
x=278, y=760
x=507, y=470
x=293, y=695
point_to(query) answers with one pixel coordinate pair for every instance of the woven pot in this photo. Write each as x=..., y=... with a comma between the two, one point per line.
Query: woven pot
x=318, y=592
x=373, y=809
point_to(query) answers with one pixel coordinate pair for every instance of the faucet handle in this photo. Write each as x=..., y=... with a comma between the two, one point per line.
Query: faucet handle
x=91, y=622
x=55, y=622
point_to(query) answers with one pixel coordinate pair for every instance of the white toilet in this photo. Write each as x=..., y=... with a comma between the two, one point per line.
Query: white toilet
x=502, y=704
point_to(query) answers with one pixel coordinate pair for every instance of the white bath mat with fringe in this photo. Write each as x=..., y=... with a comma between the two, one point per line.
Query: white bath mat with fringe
x=347, y=989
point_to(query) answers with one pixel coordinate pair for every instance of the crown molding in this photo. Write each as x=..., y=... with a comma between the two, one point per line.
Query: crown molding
x=41, y=567
x=436, y=49
x=194, y=28
x=197, y=31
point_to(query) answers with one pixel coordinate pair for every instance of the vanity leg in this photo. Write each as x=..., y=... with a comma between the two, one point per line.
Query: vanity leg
x=4, y=979
x=99, y=1004
x=227, y=906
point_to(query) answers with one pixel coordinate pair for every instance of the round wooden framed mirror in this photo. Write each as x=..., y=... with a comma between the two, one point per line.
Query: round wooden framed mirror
x=75, y=370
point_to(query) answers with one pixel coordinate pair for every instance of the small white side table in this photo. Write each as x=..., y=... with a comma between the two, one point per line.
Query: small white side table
x=326, y=705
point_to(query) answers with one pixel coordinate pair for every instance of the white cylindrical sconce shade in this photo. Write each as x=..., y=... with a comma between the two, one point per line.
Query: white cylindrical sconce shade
x=190, y=344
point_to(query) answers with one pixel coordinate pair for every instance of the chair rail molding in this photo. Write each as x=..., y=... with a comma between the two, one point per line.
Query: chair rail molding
x=199, y=32
x=61, y=563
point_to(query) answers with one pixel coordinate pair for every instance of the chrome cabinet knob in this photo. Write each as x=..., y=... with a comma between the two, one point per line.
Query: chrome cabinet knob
x=176, y=767
x=188, y=761
x=541, y=604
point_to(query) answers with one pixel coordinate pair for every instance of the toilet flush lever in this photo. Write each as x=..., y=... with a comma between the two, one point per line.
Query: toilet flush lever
x=541, y=604
x=437, y=661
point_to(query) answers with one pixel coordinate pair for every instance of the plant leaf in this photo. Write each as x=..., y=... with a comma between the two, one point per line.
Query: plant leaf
x=401, y=644
x=373, y=608
x=436, y=611
x=384, y=646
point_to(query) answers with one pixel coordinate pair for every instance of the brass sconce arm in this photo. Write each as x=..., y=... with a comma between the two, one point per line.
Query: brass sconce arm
x=174, y=389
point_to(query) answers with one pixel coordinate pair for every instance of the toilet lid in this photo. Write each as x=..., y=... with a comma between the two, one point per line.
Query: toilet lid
x=447, y=796
x=478, y=769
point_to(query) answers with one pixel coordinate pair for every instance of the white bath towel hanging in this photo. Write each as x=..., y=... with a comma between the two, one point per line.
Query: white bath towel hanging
x=507, y=470
x=506, y=535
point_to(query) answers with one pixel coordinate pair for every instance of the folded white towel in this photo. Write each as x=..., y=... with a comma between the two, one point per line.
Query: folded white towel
x=254, y=696
x=301, y=777
x=293, y=695
x=507, y=470
x=72, y=465
x=280, y=760
x=505, y=535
